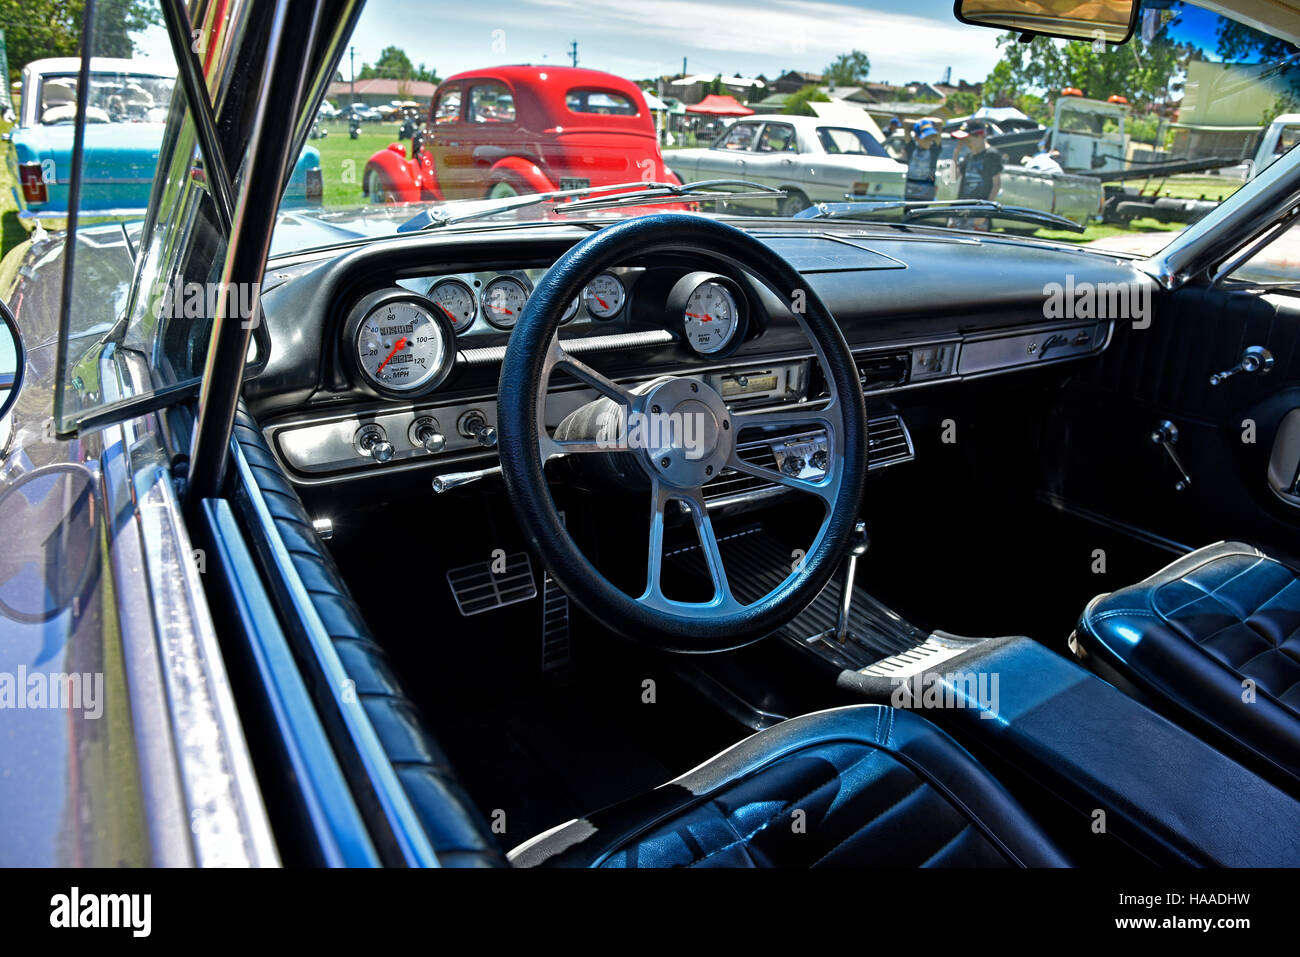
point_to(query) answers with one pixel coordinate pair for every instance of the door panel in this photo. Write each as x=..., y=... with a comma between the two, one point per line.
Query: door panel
x=1097, y=441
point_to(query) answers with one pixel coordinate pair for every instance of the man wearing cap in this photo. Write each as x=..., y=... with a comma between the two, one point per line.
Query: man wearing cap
x=979, y=166
x=921, y=153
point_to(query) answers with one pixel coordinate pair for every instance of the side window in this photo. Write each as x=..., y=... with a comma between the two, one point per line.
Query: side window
x=1278, y=263
x=778, y=138
x=739, y=137
x=447, y=109
x=491, y=103
x=599, y=101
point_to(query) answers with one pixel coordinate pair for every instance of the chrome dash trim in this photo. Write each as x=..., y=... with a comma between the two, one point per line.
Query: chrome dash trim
x=616, y=342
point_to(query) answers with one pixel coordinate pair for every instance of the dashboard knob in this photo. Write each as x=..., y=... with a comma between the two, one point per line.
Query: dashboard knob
x=474, y=425
x=382, y=451
x=432, y=439
x=792, y=464
x=820, y=459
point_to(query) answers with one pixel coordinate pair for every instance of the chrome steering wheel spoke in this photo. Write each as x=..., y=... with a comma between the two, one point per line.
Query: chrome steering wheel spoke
x=557, y=358
x=661, y=495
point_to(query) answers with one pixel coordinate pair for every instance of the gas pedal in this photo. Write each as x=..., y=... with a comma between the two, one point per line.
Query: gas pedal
x=555, y=620
x=477, y=588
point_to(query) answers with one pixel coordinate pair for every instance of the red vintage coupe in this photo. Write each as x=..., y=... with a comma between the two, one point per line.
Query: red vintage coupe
x=522, y=129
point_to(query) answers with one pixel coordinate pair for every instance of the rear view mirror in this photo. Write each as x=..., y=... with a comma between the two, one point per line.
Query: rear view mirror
x=1109, y=21
x=12, y=360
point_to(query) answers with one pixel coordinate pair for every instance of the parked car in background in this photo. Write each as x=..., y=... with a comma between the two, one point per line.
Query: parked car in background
x=125, y=115
x=522, y=129
x=812, y=159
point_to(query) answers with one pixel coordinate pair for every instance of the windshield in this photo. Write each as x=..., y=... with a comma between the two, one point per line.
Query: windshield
x=460, y=119
x=114, y=98
x=913, y=105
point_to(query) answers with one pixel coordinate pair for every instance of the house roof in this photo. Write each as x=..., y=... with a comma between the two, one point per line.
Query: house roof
x=384, y=86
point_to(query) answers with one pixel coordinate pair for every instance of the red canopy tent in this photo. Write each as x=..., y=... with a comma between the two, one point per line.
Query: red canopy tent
x=718, y=104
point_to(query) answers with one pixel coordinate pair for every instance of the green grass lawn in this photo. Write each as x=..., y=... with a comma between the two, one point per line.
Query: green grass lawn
x=343, y=160
x=11, y=231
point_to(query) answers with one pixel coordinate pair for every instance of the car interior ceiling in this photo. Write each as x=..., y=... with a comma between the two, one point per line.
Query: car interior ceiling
x=1054, y=494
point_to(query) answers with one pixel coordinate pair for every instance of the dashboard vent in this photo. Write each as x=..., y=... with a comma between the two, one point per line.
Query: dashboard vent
x=883, y=372
x=888, y=443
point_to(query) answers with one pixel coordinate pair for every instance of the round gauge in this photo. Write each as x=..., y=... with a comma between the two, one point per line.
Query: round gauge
x=503, y=301
x=455, y=299
x=571, y=312
x=604, y=296
x=712, y=317
x=401, y=343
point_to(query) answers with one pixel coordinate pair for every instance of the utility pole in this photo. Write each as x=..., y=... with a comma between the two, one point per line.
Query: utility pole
x=573, y=52
x=352, y=58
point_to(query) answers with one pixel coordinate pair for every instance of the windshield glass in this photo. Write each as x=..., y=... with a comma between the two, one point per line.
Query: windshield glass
x=914, y=105
x=114, y=98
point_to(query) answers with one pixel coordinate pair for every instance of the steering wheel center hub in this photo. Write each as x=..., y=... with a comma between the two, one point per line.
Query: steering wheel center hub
x=686, y=433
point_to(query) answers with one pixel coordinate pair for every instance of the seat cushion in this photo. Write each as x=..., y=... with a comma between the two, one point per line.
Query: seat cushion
x=863, y=786
x=1216, y=634
x=455, y=828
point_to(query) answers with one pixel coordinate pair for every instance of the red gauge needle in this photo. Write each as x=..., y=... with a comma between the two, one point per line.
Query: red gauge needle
x=696, y=315
x=448, y=312
x=398, y=346
x=603, y=303
x=500, y=309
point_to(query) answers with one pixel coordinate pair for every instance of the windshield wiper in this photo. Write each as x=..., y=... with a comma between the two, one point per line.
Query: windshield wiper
x=638, y=193
x=926, y=209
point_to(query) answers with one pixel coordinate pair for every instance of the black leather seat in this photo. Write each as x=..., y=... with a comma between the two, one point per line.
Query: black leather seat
x=860, y=786
x=455, y=828
x=1215, y=634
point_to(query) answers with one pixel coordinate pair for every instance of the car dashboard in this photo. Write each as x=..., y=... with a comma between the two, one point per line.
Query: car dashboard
x=919, y=309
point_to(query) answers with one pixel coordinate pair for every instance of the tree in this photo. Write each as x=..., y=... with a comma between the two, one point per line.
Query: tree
x=1139, y=71
x=962, y=103
x=797, y=104
x=393, y=64
x=848, y=69
x=47, y=28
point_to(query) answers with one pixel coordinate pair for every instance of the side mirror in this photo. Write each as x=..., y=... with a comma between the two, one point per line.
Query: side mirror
x=1109, y=21
x=12, y=361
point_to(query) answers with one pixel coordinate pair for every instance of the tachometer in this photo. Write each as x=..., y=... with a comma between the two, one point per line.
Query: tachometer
x=401, y=343
x=712, y=317
x=604, y=296
x=456, y=299
x=503, y=301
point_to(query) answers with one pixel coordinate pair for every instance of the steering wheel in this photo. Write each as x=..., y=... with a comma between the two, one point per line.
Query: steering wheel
x=535, y=352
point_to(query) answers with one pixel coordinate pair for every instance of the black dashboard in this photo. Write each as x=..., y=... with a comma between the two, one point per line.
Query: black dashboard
x=918, y=308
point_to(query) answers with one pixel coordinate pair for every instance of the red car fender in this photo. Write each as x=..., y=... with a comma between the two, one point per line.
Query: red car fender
x=520, y=172
x=394, y=174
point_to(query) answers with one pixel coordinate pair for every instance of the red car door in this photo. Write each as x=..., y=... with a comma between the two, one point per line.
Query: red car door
x=447, y=143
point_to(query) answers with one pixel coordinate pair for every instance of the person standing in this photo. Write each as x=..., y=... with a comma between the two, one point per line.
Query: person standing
x=921, y=153
x=979, y=166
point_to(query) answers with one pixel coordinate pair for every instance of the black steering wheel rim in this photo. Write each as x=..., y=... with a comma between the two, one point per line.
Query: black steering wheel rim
x=525, y=374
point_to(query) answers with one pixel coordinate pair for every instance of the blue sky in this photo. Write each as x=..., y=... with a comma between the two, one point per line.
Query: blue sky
x=906, y=39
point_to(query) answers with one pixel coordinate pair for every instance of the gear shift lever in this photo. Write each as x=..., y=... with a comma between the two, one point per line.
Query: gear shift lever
x=858, y=544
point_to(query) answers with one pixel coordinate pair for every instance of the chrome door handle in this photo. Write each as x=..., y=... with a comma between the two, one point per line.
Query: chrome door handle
x=1254, y=359
x=1166, y=434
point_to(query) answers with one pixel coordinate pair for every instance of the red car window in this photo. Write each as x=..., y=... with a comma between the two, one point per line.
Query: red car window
x=447, y=108
x=491, y=103
x=604, y=102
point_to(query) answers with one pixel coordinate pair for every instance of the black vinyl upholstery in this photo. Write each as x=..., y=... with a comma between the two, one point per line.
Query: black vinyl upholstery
x=861, y=786
x=1217, y=635
x=454, y=826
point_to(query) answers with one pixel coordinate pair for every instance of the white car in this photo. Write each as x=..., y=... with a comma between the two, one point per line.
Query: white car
x=813, y=159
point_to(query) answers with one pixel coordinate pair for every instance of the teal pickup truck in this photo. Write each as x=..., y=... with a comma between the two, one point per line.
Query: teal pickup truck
x=125, y=115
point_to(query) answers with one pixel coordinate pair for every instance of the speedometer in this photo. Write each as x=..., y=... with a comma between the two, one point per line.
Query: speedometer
x=455, y=299
x=712, y=317
x=401, y=343
x=503, y=301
